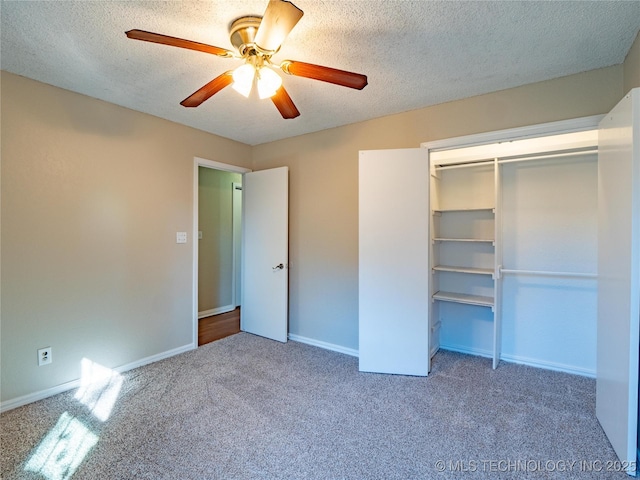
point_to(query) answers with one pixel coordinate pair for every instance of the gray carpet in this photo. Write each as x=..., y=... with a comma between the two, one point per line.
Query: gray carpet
x=249, y=408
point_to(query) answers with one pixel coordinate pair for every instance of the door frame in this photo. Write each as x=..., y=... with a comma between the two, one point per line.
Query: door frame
x=202, y=162
x=236, y=214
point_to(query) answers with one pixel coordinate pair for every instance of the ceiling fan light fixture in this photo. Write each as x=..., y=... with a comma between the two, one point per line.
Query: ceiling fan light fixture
x=268, y=82
x=256, y=40
x=243, y=77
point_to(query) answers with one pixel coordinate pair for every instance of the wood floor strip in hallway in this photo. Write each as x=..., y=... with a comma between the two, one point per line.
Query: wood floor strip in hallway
x=218, y=326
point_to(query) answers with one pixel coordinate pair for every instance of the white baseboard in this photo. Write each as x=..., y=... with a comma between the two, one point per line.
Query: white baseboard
x=464, y=349
x=49, y=392
x=532, y=362
x=327, y=346
x=558, y=367
x=216, y=311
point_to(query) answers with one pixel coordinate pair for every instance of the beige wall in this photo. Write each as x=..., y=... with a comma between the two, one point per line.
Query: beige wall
x=632, y=66
x=93, y=193
x=215, y=249
x=92, y=197
x=324, y=184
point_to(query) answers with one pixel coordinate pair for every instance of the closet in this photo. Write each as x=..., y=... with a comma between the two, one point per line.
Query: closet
x=489, y=248
x=514, y=250
x=520, y=245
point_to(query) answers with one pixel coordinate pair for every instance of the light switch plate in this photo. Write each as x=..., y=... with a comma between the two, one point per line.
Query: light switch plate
x=200, y=235
x=181, y=237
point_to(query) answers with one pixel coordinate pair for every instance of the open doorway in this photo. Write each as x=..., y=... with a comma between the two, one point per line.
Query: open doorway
x=219, y=230
x=265, y=249
x=217, y=224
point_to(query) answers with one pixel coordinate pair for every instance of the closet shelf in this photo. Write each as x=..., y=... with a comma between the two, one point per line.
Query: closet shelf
x=464, y=298
x=437, y=211
x=474, y=270
x=480, y=240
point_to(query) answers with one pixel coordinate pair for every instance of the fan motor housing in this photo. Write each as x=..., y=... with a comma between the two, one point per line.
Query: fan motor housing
x=243, y=33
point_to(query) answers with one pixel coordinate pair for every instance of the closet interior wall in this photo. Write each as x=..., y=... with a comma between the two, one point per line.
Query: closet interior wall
x=549, y=263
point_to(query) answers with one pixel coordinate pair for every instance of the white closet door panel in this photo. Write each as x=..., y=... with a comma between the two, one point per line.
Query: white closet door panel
x=393, y=261
x=619, y=276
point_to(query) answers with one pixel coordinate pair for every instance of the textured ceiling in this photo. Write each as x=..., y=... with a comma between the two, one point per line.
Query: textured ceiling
x=415, y=54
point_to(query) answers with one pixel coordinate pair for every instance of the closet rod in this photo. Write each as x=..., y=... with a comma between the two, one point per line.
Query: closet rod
x=516, y=159
x=549, y=274
x=550, y=155
x=464, y=165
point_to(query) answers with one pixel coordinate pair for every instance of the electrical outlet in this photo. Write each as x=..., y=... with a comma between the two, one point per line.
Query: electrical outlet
x=44, y=356
x=181, y=237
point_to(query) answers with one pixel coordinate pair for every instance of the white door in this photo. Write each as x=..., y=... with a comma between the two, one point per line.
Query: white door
x=265, y=253
x=619, y=277
x=394, y=261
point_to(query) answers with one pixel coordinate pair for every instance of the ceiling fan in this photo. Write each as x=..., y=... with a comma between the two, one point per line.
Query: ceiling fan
x=257, y=39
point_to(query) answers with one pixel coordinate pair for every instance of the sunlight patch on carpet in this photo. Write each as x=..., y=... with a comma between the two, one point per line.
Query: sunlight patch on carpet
x=99, y=388
x=61, y=452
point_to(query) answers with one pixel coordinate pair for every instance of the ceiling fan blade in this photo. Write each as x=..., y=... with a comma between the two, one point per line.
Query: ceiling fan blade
x=325, y=74
x=284, y=104
x=279, y=19
x=209, y=90
x=177, y=42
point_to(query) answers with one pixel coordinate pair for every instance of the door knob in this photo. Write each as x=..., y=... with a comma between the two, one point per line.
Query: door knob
x=278, y=267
